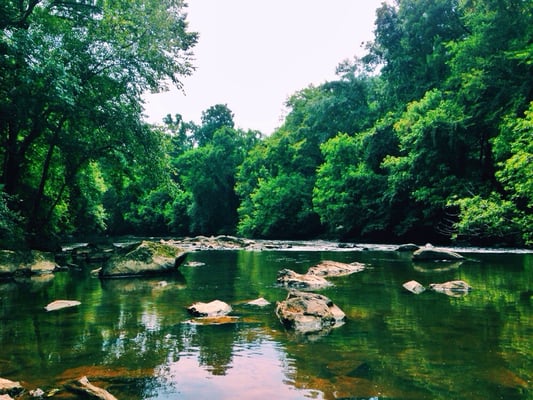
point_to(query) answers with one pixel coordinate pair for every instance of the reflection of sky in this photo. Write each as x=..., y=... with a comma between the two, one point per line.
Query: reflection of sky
x=257, y=372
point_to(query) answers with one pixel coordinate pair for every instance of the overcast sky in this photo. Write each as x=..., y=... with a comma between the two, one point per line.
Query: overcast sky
x=253, y=54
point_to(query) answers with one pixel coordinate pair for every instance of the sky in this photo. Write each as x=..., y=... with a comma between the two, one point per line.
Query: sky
x=253, y=54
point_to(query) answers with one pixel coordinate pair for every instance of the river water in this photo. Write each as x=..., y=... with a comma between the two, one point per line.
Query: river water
x=134, y=337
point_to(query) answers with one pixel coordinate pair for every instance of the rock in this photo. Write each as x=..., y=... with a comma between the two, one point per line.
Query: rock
x=59, y=304
x=215, y=308
x=293, y=279
x=306, y=312
x=194, y=264
x=222, y=320
x=334, y=268
x=31, y=262
x=260, y=302
x=8, y=387
x=343, y=245
x=407, y=247
x=37, y=392
x=414, y=287
x=92, y=252
x=147, y=258
x=451, y=288
x=435, y=254
x=86, y=388
x=5, y=397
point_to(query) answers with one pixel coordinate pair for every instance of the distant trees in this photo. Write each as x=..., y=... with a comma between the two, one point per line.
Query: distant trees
x=426, y=137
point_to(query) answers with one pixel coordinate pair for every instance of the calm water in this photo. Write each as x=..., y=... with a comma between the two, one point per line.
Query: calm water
x=134, y=337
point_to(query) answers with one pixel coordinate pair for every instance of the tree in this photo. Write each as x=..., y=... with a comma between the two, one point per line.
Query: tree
x=72, y=78
x=214, y=118
x=207, y=172
x=346, y=192
x=410, y=47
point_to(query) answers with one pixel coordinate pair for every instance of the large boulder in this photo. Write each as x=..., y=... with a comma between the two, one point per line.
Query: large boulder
x=435, y=254
x=306, y=312
x=334, y=268
x=31, y=262
x=146, y=258
x=291, y=279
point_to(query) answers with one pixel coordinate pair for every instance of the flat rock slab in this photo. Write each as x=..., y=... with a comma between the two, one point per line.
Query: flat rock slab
x=306, y=312
x=222, y=320
x=86, y=388
x=291, y=279
x=414, y=287
x=451, y=288
x=260, y=302
x=215, y=308
x=8, y=387
x=334, y=268
x=59, y=304
x=435, y=254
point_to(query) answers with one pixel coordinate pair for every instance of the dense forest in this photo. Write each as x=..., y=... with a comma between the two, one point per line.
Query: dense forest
x=427, y=137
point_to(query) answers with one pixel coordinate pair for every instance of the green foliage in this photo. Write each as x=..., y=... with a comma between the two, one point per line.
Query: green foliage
x=280, y=207
x=70, y=96
x=213, y=119
x=427, y=137
x=490, y=220
x=345, y=193
x=11, y=224
x=207, y=173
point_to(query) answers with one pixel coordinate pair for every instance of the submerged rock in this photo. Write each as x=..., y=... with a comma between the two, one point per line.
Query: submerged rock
x=215, y=308
x=306, y=312
x=334, y=268
x=86, y=388
x=147, y=258
x=59, y=304
x=435, y=254
x=414, y=287
x=451, y=288
x=291, y=279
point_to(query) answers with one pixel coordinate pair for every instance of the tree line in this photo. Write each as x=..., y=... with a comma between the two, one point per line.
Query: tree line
x=427, y=137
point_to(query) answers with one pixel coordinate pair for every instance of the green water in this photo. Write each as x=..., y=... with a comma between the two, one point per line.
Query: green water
x=135, y=338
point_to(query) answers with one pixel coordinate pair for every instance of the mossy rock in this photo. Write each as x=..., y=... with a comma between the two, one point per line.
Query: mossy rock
x=147, y=258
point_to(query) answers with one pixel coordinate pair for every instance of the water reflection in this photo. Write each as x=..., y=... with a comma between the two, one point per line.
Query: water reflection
x=133, y=337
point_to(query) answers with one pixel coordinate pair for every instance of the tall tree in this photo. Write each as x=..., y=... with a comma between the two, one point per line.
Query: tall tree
x=73, y=74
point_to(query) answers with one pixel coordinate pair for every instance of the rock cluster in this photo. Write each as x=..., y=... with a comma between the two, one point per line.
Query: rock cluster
x=306, y=312
x=315, y=277
x=456, y=288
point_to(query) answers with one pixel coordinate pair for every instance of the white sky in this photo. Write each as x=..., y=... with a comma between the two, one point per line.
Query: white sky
x=253, y=54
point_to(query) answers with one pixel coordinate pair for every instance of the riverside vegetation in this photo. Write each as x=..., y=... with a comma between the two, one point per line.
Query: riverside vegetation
x=427, y=137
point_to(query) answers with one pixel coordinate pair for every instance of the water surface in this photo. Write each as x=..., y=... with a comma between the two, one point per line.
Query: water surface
x=135, y=338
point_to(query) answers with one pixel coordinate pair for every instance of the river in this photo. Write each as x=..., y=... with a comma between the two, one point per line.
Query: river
x=134, y=337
